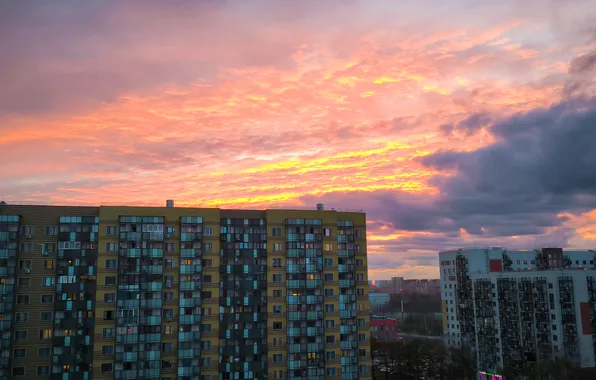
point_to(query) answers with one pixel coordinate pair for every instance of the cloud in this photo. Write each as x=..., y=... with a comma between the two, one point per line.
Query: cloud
x=539, y=168
x=270, y=104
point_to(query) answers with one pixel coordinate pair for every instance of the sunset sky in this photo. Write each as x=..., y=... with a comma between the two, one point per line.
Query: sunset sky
x=451, y=123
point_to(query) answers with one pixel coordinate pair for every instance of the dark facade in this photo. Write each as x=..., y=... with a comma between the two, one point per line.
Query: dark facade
x=243, y=295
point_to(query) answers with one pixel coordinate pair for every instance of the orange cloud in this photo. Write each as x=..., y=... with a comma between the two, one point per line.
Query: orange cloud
x=265, y=115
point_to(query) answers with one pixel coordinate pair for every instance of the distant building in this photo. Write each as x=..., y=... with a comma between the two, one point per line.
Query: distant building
x=519, y=306
x=384, y=329
x=378, y=301
x=414, y=286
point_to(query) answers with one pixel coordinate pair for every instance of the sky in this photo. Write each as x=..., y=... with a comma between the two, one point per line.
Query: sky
x=451, y=124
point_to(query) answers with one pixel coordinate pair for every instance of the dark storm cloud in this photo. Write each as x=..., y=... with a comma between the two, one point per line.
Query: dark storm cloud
x=470, y=125
x=542, y=165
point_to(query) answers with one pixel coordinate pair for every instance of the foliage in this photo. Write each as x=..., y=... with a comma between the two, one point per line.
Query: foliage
x=557, y=369
x=418, y=360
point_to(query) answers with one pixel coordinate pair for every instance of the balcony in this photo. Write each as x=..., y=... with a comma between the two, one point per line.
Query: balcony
x=190, y=302
x=342, y=268
x=347, y=283
x=189, y=253
x=348, y=344
x=152, y=269
x=189, y=319
x=153, y=253
x=190, y=269
x=346, y=253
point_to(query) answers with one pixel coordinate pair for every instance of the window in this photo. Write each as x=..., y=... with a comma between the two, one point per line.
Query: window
x=278, y=358
x=328, y=247
x=46, y=316
x=43, y=370
x=206, y=327
x=26, y=248
x=19, y=353
x=207, y=263
x=111, y=264
x=48, y=264
x=359, y=262
x=207, y=278
x=24, y=281
x=18, y=371
x=206, y=344
x=170, y=247
x=106, y=367
x=171, y=230
x=328, y=277
x=111, y=247
x=107, y=333
x=206, y=362
x=327, y=232
x=362, y=353
x=169, y=263
x=276, y=231
x=107, y=350
x=329, y=308
x=208, y=231
x=277, y=278
x=168, y=296
x=361, y=338
x=277, y=309
x=331, y=371
x=167, y=347
x=47, y=298
x=51, y=231
x=328, y=262
x=25, y=264
x=362, y=369
x=47, y=282
x=330, y=339
x=328, y=292
x=23, y=299
x=276, y=263
x=277, y=294
x=27, y=230
x=108, y=315
x=277, y=325
x=329, y=323
x=22, y=317
x=49, y=248
x=276, y=247
x=331, y=355
x=361, y=323
x=278, y=342
x=45, y=334
x=206, y=311
x=109, y=280
x=206, y=295
x=359, y=234
x=44, y=352
x=112, y=230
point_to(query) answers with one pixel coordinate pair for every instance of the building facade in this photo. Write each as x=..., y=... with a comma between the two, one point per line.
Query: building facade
x=384, y=329
x=519, y=307
x=182, y=293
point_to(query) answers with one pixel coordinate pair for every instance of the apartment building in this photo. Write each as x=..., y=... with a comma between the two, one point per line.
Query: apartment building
x=519, y=307
x=182, y=293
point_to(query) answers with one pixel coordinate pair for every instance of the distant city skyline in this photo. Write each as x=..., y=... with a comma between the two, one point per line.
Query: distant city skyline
x=450, y=123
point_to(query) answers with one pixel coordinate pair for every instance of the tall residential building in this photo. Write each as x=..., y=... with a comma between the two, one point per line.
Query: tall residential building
x=519, y=307
x=182, y=293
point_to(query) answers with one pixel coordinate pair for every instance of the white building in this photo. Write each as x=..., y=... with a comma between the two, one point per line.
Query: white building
x=513, y=307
